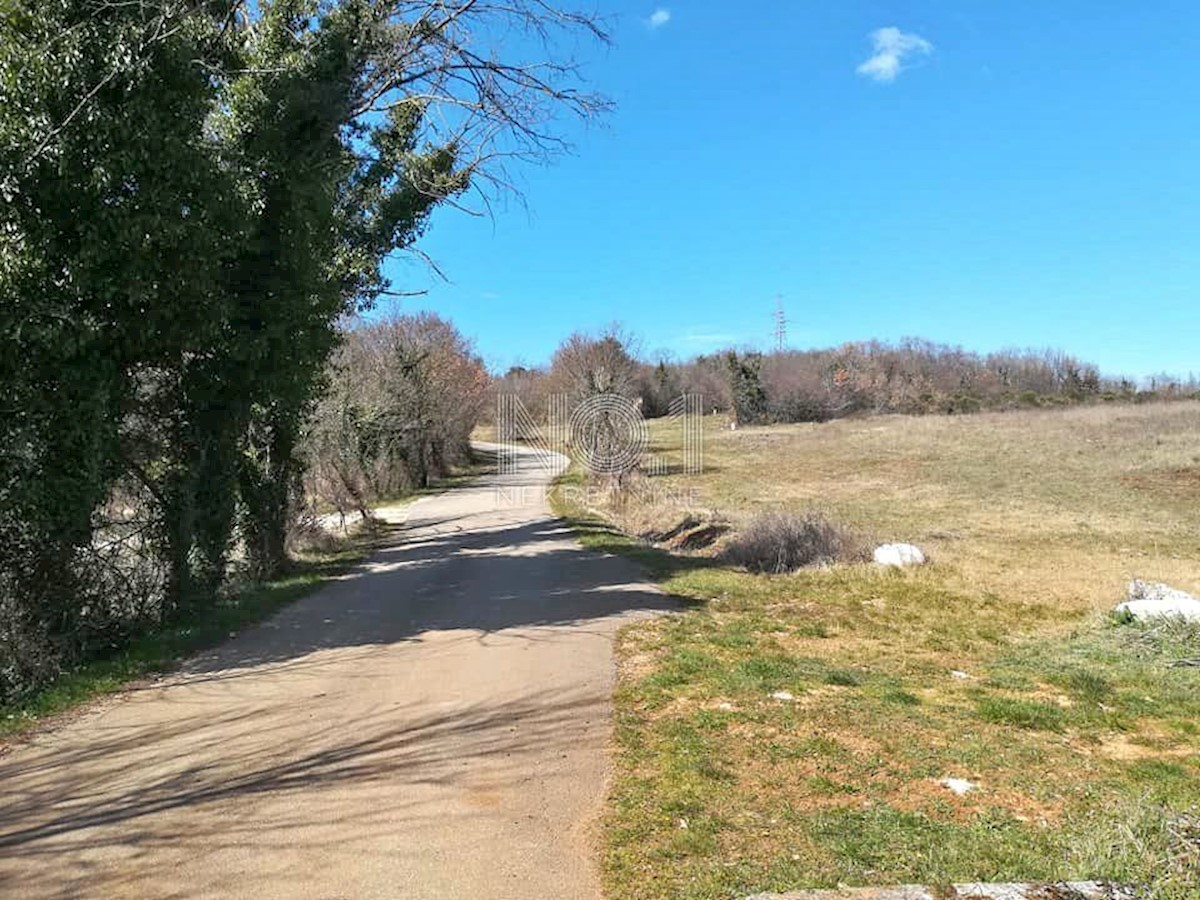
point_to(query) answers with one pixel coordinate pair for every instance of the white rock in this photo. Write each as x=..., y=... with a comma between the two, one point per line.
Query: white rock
x=1157, y=601
x=962, y=676
x=899, y=555
x=959, y=787
x=782, y=695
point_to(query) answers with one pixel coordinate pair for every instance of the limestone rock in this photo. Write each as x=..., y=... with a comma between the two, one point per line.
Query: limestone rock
x=959, y=787
x=1076, y=890
x=1148, y=600
x=899, y=555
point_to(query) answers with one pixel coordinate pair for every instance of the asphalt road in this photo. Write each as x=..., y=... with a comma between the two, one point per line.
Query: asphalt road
x=433, y=725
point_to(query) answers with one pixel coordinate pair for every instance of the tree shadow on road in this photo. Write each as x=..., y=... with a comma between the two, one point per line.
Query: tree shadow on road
x=215, y=740
x=524, y=576
x=108, y=795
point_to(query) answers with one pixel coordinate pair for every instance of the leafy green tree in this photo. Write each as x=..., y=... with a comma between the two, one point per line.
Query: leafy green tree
x=110, y=256
x=333, y=196
x=350, y=121
x=750, y=405
x=195, y=193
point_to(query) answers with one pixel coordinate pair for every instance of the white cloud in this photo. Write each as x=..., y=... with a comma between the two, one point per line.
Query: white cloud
x=891, y=47
x=659, y=18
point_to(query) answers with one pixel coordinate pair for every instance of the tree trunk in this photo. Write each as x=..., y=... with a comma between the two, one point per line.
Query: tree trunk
x=268, y=474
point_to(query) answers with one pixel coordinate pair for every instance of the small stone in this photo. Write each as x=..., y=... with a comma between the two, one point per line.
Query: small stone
x=962, y=676
x=726, y=707
x=899, y=555
x=782, y=695
x=959, y=787
x=1158, y=601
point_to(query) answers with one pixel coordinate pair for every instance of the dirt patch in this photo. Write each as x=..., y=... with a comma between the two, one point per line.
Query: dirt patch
x=1171, y=482
x=1051, y=695
x=699, y=538
x=860, y=745
x=1025, y=808
x=1144, y=745
x=928, y=797
x=637, y=655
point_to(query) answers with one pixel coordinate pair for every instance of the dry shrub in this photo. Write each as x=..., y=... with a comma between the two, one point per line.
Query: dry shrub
x=778, y=542
x=404, y=395
x=308, y=537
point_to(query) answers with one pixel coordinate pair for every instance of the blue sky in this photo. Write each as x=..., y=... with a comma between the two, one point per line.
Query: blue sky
x=1028, y=176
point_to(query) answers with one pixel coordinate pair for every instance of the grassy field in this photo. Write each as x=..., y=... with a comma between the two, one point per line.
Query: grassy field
x=996, y=664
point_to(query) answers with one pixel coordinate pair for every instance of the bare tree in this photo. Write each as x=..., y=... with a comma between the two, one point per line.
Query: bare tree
x=405, y=393
x=490, y=78
x=587, y=365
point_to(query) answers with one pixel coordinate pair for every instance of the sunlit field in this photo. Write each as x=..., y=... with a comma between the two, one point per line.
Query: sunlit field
x=997, y=664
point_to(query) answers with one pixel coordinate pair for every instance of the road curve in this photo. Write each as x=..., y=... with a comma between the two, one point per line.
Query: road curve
x=432, y=725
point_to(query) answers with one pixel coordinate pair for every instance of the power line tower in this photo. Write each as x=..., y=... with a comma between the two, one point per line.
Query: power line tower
x=780, y=325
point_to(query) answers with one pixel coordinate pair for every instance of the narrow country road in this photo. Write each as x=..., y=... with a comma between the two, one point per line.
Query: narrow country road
x=433, y=725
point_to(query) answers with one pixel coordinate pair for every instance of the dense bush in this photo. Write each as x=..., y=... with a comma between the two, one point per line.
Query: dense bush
x=779, y=542
x=194, y=196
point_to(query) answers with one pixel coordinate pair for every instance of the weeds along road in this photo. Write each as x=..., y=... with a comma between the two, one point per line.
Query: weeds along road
x=433, y=725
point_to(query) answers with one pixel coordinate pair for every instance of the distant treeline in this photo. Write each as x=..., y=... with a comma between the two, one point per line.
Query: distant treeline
x=914, y=377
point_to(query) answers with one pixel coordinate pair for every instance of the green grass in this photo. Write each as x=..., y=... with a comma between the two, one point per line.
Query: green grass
x=1021, y=713
x=161, y=649
x=1083, y=734
x=840, y=786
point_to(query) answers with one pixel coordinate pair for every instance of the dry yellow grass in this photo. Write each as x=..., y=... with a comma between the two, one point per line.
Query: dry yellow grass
x=1061, y=506
x=1085, y=744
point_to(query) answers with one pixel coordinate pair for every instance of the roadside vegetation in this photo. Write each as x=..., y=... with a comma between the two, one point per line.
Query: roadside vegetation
x=198, y=199
x=403, y=396
x=798, y=730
